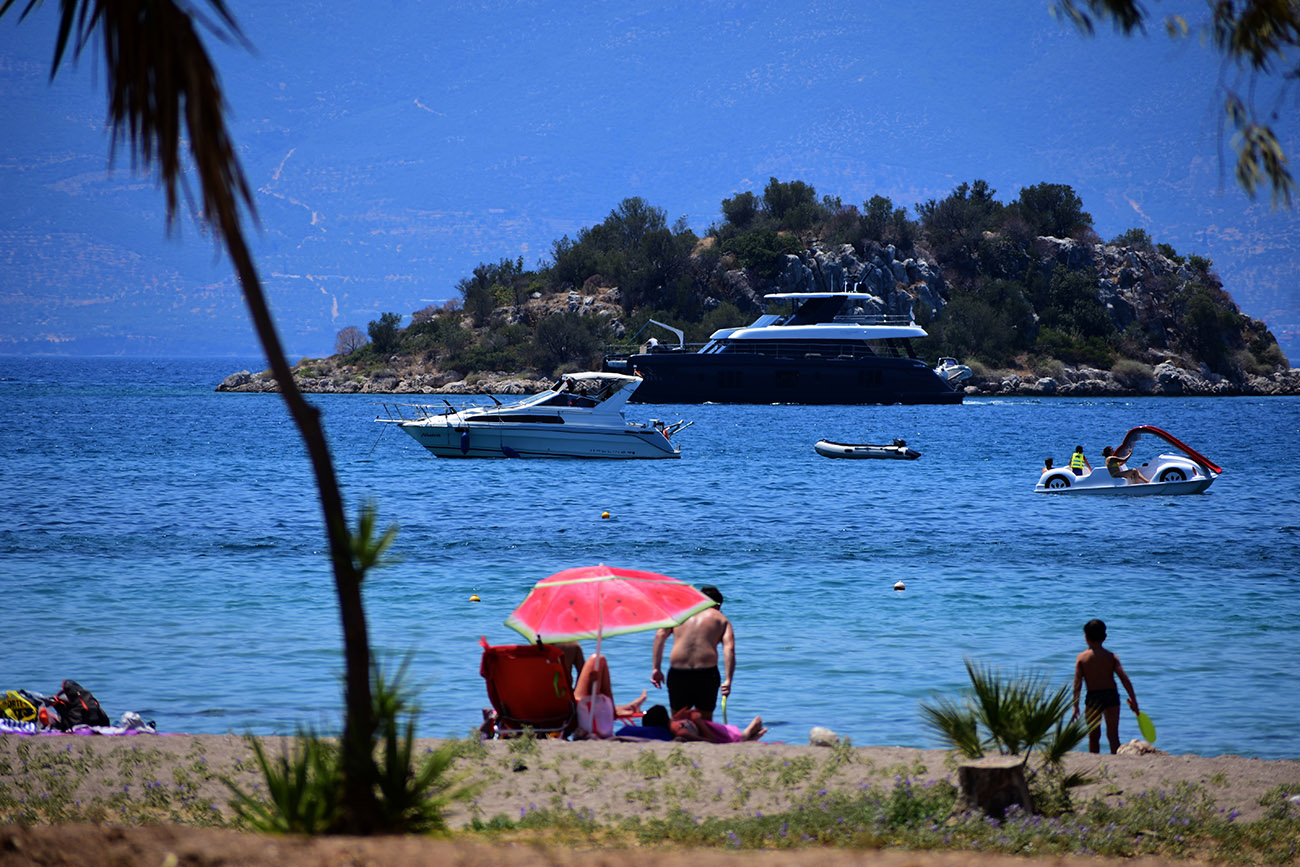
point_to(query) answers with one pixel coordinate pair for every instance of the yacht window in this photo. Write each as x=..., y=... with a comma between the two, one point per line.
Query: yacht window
x=521, y=419
x=869, y=377
x=900, y=347
x=569, y=400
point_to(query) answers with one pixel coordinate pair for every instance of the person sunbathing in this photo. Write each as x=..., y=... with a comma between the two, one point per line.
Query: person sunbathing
x=688, y=729
x=690, y=726
x=653, y=726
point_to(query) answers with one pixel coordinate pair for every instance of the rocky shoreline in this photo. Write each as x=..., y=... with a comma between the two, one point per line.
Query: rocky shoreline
x=1165, y=380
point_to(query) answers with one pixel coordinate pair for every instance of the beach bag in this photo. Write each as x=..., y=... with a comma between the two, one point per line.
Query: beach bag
x=15, y=706
x=77, y=707
x=596, y=715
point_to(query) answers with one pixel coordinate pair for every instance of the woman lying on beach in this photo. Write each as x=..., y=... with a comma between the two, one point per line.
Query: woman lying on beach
x=688, y=725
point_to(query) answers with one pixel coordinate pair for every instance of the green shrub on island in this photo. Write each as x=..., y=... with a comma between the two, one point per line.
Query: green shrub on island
x=1020, y=282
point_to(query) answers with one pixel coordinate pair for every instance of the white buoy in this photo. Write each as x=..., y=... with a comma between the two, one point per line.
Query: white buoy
x=899, y=586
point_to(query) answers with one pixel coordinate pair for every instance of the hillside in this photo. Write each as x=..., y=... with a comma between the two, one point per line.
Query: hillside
x=1052, y=311
x=390, y=152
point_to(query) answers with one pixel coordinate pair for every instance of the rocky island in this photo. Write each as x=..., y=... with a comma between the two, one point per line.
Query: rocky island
x=1024, y=293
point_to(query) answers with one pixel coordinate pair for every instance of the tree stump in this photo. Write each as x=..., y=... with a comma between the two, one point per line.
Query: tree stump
x=992, y=784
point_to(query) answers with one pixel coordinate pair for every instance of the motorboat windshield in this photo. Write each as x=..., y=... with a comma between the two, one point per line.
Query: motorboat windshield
x=587, y=390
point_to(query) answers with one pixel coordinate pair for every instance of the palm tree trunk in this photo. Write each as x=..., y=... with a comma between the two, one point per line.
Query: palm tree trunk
x=160, y=78
x=361, y=814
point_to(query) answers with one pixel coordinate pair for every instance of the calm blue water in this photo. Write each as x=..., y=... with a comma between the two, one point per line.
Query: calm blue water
x=161, y=544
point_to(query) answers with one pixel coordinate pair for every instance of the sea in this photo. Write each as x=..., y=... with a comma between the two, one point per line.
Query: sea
x=162, y=545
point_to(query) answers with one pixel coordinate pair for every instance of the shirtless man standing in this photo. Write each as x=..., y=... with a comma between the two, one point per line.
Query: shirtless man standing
x=693, y=664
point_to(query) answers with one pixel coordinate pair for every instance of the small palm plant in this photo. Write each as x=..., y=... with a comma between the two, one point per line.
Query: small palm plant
x=413, y=792
x=304, y=788
x=1018, y=716
x=304, y=784
x=307, y=783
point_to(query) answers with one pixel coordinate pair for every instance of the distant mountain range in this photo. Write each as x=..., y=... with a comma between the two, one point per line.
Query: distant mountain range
x=395, y=147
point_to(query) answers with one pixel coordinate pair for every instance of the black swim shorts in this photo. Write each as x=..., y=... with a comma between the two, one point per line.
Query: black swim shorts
x=1100, y=699
x=693, y=687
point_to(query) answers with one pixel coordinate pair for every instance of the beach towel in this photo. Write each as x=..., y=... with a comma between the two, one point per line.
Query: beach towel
x=18, y=707
x=14, y=726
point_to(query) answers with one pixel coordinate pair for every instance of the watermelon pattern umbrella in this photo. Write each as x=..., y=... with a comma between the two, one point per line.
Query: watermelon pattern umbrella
x=595, y=601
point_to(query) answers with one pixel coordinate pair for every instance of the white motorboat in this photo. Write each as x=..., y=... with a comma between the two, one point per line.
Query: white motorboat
x=1187, y=472
x=897, y=450
x=581, y=416
x=952, y=371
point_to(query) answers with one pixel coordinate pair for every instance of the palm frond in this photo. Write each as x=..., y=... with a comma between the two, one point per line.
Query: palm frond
x=303, y=786
x=991, y=705
x=1065, y=737
x=161, y=78
x=955, y=723
x=367, y=550
x=1039, y=712
x=412, y=794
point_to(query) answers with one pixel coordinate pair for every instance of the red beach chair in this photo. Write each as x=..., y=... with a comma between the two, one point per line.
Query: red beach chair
x=528, y=686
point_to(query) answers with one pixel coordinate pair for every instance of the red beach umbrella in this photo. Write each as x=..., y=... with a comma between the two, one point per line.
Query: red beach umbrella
x=595, y=601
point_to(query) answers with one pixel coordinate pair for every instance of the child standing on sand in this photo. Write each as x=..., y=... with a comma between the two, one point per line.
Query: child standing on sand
x=1098, y=667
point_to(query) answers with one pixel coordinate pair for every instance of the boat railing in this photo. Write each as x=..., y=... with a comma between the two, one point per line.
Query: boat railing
x=618, y=351
x=400, y=412
x=873, y=319
x=848, y=349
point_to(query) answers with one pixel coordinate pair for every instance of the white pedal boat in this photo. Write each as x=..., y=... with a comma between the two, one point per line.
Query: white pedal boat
x=1187, y=472
x=897, y=451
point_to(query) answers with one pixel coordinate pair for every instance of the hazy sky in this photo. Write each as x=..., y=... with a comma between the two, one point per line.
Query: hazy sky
x=394, y=146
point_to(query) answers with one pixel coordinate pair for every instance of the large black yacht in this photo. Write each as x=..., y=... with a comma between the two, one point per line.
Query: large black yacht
x=827, y=351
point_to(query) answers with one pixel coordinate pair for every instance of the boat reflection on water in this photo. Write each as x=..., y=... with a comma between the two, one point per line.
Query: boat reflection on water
x=581, y=416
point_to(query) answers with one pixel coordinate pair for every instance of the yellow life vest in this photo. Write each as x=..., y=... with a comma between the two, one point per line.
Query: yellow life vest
x=1077, y=461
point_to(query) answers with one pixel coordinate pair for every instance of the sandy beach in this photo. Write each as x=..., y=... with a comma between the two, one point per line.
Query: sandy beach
x=609, y=780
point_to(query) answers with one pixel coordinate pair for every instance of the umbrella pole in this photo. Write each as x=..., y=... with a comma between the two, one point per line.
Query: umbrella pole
x=600, y=618
x=595, y=681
